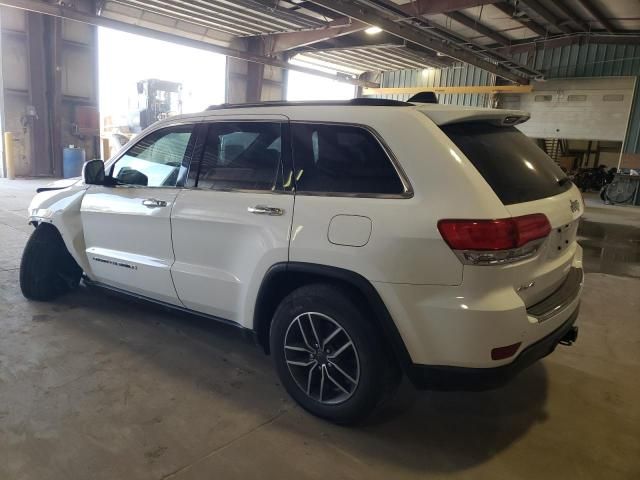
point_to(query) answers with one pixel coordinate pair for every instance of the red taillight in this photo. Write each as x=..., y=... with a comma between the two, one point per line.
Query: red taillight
x=502, y=234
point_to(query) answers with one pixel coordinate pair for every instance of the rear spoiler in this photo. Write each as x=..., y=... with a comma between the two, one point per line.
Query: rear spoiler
x=447, y=114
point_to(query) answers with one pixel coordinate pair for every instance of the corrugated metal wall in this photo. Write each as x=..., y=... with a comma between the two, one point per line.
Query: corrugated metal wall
x=457, y=75
x=560, y=62
x=584, y=60
x=593, y=61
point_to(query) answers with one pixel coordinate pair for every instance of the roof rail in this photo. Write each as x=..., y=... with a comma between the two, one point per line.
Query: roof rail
x=369, y=102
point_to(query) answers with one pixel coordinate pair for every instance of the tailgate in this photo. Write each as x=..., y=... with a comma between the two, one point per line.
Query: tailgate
x=550, y=267
x=527, y=182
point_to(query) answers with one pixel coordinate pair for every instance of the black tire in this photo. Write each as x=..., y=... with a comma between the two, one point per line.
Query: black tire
x=47, y=270
x=620, y=191
x=332, y=309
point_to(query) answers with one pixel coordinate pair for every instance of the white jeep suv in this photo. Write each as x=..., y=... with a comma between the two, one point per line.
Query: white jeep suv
x=357, y=240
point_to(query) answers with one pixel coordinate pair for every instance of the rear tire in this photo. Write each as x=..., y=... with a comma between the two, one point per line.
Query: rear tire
x=318, y=334
x=47, y=270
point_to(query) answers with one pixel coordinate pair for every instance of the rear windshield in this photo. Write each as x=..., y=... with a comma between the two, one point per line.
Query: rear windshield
x=515, y=167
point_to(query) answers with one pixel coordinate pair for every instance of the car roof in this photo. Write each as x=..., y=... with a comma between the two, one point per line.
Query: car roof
x=353, y=102
x=439, y=114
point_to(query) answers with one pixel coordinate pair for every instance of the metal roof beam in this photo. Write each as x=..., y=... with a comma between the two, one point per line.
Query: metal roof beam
x=572, y=16
x=439, y=62
x=577, y=39
x=455, y=38
x=424, y=7
x=548, y=16
x=192, y=15
x=418, y=36
x=281, y=19
x=433, y=7
x=383, y=40
x=479, y=27
x=511, y=11
x=69, y=13
x=357, y=40
x=318, y=10
x=598, y=15
x=337, y=28
x=268, y=9
x=345, y=26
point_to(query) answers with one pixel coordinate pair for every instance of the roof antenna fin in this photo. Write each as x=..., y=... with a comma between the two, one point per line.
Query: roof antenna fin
x=424, y=97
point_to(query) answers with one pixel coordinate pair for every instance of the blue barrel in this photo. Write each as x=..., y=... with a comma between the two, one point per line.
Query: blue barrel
x=72, y=161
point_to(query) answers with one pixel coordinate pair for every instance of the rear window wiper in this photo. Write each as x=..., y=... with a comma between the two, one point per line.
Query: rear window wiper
x=563, y=181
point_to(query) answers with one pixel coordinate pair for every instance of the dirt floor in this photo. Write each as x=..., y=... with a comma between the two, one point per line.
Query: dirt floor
x=95, y=386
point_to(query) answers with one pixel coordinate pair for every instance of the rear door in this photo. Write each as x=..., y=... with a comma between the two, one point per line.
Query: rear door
x=527, y=182
x=234, y=221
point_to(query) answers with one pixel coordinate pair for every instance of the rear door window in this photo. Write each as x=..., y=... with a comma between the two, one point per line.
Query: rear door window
x=341, y=159
x=512, y=164
x=241, y=156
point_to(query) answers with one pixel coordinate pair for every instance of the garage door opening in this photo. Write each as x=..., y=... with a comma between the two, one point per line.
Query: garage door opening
x=143, y=80
x=304, y=86
x=573, y=155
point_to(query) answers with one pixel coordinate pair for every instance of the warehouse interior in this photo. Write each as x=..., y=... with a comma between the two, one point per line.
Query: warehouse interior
x=98, y=386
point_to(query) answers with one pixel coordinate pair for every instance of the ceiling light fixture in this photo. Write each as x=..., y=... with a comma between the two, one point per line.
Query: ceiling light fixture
x=373, y=30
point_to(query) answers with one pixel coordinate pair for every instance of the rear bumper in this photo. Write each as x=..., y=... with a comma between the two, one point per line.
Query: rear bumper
x=436, y=377
x=459, y=326
x=559, y=300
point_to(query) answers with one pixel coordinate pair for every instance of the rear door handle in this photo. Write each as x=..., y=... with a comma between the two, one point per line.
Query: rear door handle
x=265, y=210
x=154, y=203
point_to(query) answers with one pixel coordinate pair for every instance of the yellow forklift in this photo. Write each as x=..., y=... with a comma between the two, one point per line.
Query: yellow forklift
x=158, y=99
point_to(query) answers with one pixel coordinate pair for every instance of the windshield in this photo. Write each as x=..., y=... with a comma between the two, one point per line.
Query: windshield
x=512, y=164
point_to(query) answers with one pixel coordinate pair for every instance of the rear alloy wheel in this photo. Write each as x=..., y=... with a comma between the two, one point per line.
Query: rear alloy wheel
x=322, y=358
x=329, y=354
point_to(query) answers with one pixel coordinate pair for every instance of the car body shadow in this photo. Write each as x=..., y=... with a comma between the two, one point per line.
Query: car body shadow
x=426, y=431
x=444, y=432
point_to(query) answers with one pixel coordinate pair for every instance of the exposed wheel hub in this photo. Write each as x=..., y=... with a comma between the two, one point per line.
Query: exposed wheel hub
x=320, y=356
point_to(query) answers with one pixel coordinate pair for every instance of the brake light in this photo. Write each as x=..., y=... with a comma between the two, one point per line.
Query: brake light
x=500, y=241
x=500, y=234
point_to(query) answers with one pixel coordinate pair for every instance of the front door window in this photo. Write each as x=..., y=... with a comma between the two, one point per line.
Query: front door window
x=160, y=159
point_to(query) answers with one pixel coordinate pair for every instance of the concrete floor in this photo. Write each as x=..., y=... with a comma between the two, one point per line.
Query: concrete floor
x=93, y=386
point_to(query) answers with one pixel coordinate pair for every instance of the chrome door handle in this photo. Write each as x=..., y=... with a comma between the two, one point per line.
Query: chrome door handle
x=264, y=210
x=153, y=203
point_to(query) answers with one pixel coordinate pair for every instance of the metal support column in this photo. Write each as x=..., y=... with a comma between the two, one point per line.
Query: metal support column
x=37, y=118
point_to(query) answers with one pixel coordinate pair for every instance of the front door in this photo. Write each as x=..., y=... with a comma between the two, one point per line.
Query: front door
x=127, y=227
x=235, y=223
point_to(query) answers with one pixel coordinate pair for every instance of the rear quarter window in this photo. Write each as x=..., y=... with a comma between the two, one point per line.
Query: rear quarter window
x=337, y=158
x=512, y=164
